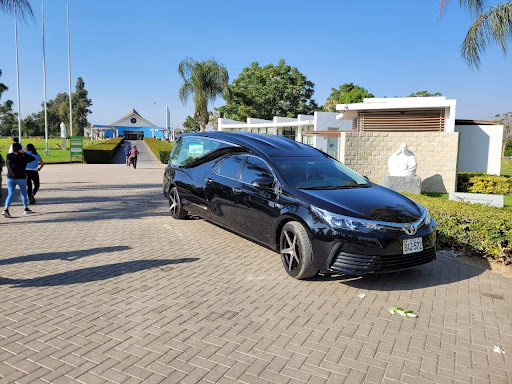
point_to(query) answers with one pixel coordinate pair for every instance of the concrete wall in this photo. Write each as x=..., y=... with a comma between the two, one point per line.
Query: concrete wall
x=324, y=121
x=436, y=155
x=480, y=148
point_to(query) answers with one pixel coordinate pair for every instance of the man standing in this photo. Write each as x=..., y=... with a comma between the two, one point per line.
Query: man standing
x=16, y=163
x=127, y=153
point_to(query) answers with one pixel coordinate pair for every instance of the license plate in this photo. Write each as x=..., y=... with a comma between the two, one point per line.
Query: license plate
x=413, y=245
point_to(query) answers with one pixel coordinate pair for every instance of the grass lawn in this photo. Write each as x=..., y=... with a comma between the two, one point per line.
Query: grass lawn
x=506, y=168
x=57, y=155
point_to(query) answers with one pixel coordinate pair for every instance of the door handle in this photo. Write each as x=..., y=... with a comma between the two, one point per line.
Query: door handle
x=237, y=190
x=209, y=181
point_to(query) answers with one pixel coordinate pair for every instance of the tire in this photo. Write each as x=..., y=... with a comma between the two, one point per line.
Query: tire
x=175, y=208
x=296, y=251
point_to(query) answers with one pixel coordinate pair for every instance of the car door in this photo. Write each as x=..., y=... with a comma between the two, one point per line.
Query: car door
x=258, y=207
x=222, y=189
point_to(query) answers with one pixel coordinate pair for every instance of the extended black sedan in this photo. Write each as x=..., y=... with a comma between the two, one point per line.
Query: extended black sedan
x=318, y=214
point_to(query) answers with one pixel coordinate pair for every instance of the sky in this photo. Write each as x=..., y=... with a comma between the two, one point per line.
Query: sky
x=128, y=53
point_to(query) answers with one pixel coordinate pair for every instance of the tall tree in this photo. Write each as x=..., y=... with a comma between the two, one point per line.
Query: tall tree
x=190, y=125
x=493, y=24
x=272, y=90
x=8, y=119
x=205, y=80
x=81, y=104
x=424, y=94
x=346, y=94
x=23, y=7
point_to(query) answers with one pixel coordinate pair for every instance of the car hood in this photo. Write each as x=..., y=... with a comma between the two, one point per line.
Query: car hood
x=373, y=203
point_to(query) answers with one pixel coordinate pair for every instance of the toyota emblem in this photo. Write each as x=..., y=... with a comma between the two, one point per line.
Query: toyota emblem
x=411, y=230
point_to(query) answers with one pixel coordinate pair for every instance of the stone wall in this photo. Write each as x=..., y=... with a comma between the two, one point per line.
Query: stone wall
x=436, y=154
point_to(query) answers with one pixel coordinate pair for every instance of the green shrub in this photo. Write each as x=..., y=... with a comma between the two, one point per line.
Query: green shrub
x=164, y=156
x=472, y=228
x=161, y=149
x=102, y=153
x=477, y=182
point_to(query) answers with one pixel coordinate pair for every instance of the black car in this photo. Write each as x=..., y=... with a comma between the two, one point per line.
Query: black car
x=318, y=214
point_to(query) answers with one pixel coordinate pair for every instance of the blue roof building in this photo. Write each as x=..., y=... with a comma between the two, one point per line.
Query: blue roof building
x=132, y=126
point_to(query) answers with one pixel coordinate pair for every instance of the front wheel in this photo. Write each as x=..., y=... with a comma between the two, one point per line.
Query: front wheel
x=296, y=251
x=175, y=207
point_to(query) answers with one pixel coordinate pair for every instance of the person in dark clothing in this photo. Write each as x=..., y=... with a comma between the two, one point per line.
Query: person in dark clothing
x=127, y=150
x=133, y=157
x=32, y=172
x=16, y=164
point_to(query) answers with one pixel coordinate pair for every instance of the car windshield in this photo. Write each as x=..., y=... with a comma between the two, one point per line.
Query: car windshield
x=318, y=173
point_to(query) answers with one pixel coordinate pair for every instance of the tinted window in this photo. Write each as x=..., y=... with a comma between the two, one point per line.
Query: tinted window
x=188, y=149
x=317, y=173
x=254, y=169
x=230, y=166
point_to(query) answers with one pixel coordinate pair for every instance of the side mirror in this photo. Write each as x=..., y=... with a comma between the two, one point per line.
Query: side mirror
x=264, y=183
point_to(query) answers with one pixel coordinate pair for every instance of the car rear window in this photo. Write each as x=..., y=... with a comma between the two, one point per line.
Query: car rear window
x=188, y=149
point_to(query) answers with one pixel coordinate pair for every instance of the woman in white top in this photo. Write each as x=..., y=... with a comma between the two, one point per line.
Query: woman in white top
x=32, y=172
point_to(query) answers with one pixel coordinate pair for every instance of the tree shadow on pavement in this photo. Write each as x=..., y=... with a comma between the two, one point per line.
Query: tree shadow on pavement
x=444, y=270
x=87, y=275
x=67, y=255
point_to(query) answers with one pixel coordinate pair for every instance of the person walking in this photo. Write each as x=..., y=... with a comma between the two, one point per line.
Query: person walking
x=32, y=172
x=16, y=164
x=133, y=156
x=127, y=150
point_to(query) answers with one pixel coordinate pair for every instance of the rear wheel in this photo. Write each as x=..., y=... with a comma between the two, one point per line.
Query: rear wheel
x=175, y=207
x=296, y=251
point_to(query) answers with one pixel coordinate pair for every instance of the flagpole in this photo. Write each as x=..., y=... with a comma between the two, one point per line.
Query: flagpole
x=47, y=151
x=167, y=121
x=17, y=70
x=69, y=79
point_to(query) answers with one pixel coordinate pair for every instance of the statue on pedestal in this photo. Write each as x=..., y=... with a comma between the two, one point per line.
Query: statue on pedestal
x=402, y=162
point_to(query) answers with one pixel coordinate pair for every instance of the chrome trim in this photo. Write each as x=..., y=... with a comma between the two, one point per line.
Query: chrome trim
x=393, y=226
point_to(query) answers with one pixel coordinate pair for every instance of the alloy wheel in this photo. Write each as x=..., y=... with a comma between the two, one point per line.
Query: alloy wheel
x=290, y=250
x=173, y=202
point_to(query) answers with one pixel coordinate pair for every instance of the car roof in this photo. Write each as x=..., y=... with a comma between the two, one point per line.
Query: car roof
x=269, y=145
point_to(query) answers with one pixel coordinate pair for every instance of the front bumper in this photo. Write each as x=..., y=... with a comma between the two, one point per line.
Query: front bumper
x=360, y=255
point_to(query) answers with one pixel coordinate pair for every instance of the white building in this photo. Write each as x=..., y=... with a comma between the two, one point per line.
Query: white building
x=299, y=129
x=479, y=141
x=479, y=147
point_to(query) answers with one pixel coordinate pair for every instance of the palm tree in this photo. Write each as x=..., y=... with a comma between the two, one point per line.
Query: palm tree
x=22, y=7
x=205, y=80
x=492, y=25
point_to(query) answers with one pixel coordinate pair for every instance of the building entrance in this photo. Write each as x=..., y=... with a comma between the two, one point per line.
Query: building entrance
x=133, y=135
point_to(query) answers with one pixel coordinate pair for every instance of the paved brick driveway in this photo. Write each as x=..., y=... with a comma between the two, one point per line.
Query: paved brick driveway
x=101, y=285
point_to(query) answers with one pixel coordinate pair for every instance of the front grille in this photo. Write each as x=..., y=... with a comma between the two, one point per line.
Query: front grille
x=361, y=264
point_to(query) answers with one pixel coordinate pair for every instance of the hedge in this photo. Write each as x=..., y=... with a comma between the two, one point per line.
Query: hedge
x=102, y=153
x=161, y=149
x=477, y=182
x=475, y=229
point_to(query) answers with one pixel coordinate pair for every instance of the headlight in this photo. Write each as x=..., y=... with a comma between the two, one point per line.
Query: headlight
x=424, y=211
x=346, y=222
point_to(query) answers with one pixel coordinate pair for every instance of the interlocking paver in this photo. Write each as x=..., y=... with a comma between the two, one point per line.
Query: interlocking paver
x=113, y=290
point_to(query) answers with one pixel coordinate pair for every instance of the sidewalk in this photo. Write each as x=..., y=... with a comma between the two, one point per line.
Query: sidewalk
x=146, y=157
x=101, y=285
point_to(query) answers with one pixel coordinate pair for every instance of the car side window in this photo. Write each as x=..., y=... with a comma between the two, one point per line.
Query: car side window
x=188, y=149
x=255, y=169
x=229, y=167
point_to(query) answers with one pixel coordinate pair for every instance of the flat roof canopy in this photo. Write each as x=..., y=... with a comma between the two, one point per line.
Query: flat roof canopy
x=326, y=133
